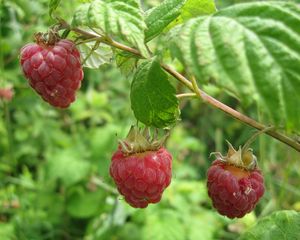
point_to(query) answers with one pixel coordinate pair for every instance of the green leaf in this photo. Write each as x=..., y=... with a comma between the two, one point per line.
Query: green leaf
x=130, y=231
x=153, y=99
x=103, y=141
x=95, y=55
x=252, y=51
x=46, y=198
x=173, y=12
x=7, y=231
x=80, y=17
x=198, y=228
x=67, y=166
x=194, y=8
x=84, y=204
x=126, y=64
x=279, y=225
x=161, y=16
x=53, y=4
x=123, y=19
x=164, y=225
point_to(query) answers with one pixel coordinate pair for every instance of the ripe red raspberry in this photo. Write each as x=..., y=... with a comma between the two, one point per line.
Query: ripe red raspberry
x=234, y=183
x=141, y=173
x=54, y=70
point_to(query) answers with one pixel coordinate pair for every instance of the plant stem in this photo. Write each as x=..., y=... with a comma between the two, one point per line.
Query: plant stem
x=106, y=40
x=195, y=86
x=232, y=112
x=178, y=76
x=186, y=95
x=200, y=94
x=104, y=186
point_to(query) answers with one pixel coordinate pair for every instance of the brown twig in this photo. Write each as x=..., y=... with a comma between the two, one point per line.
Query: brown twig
x=201, y=94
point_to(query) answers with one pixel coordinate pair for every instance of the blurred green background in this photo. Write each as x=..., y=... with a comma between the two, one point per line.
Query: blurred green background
x=54, y=163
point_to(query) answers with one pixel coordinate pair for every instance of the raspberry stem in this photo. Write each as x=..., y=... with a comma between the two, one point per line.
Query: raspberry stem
x=200, y=93
x=186, y=95
x=195, y=87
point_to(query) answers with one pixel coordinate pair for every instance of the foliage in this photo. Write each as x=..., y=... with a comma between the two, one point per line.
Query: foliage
x=149, y=82
x=94, y=56
x=54, y=163
x=120, y=18
x=279, y=225
x=170, y=13
x=53, y=4
x=235, y=46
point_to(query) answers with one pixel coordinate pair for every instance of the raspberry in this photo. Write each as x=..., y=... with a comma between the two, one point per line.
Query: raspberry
x=6, y=94
x=54, y=70
x=235, y=187
x=141, y=177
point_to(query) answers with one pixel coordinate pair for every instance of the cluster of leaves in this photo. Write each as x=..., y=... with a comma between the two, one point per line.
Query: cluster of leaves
x=230, y=48
x=54, y=164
